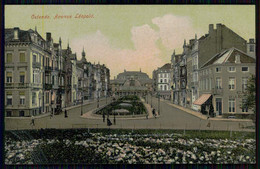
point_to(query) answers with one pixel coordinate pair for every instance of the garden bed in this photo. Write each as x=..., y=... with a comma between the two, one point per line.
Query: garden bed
x=125, y=146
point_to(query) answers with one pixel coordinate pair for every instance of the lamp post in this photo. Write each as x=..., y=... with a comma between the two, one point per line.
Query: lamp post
x=81, y=105
x=151, y=101
x=158, y=104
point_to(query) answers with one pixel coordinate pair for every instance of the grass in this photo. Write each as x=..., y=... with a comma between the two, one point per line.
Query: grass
x=69, y=133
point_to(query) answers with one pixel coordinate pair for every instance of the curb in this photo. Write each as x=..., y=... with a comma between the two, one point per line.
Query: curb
x=205, y=118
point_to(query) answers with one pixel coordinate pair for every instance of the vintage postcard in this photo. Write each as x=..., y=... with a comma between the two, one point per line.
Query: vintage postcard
x=130, y=84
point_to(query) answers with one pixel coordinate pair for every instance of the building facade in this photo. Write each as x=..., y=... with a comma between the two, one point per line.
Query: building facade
x=223, y=79
x=41, y=77
x=131, y=83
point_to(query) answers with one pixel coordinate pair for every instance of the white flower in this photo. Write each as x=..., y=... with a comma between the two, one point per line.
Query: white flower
x=247, y=157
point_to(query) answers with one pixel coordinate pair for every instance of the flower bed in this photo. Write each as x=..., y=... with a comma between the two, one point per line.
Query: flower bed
x=79, y=146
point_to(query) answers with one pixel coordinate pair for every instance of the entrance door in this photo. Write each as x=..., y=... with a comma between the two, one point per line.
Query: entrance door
x=219, y=106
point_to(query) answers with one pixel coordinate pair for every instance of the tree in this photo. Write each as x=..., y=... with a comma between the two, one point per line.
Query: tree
x=250, y=96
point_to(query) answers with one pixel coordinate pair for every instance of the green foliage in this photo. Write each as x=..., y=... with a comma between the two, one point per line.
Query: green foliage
x=250, y=96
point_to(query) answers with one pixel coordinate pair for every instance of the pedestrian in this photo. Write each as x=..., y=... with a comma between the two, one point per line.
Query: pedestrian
x=108, y=122
x=154, y=113
x=114, y=119
x=104, y=117
x=66, y=115
x=32, y=121
x=146, y=115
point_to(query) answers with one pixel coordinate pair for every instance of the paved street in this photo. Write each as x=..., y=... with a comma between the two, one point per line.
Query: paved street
x=170, y=118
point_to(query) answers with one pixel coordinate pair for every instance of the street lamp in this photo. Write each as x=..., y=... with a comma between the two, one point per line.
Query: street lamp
x=151, y=101
x=158, y=104
x=81, y=105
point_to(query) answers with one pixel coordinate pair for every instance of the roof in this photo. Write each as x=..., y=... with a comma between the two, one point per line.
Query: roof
x=166, y=66
x=202, y=99
x=24, y=36
x=229, y=56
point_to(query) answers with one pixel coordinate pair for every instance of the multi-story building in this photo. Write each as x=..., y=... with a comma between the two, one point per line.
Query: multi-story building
x=60, y=97
x=175, y=78
x=131, y=83
x=24, y=55
x=204, y=48
x=163, y=81
x=223, y=79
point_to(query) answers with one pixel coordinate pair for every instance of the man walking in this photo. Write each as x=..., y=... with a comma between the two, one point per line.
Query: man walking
x=66, y=115
x=103, y=117
x=154, y=113
x=114, y=119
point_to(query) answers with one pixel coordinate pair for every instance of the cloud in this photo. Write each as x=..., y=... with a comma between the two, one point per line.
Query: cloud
x=147, y=55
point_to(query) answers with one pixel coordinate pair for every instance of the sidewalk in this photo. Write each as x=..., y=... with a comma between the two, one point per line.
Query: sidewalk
x=63, y=109
x=201, y=116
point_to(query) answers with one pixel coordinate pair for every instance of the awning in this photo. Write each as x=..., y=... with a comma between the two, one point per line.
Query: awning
x=202, y=99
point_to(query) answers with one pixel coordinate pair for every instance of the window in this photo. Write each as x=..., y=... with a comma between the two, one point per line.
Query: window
x=21, y=113
x=231, y=69
x=47, y=98
x=218, y=69
x=33, y=98
x=161, y=88
x=22, y=57
x=9, y=58
x=244, y=69
x=9, y=77
x=251, y=48
x=165, y=87
x=218, y=83
x=9, y=100
x=165, y=80
x=231, y=105
x=161, y=80
x=8, y=113
x=231, y=83
x=244, y=108
x=244, y=83
x=34, y=58
x=22, y=100
x=22, y=75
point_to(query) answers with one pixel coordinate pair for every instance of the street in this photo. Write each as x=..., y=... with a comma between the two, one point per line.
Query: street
x=170, y=118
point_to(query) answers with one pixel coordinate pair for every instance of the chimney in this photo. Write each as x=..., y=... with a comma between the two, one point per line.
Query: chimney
x=219, y=26
x=48, y=36
x=237, y=58
x=211, y=28
x=16, y=33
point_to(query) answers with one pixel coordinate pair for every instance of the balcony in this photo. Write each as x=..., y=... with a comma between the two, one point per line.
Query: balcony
x=48, y=68
x=195, y=67
x=36, y=64
x=217, y=91
x=48, y=86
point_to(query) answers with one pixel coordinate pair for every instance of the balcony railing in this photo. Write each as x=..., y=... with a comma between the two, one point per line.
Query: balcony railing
x=22, y=85
x=48, y=86
x=48, y=68
x=37, y=64
x=217, y=91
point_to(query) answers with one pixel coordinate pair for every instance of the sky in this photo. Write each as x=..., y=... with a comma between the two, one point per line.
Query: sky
x=129, y=37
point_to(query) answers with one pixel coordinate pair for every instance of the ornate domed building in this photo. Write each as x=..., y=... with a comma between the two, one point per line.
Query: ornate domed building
x=131, y=83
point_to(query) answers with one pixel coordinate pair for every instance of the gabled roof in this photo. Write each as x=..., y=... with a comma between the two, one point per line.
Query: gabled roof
x=166, y=66
x=229, y=56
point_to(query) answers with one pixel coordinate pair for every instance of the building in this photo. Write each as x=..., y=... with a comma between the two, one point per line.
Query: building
x=162, y=81
x=223, y=80
x=24, y=75
x=131, y=83
x=204, y=48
